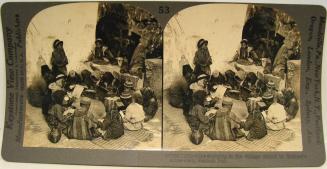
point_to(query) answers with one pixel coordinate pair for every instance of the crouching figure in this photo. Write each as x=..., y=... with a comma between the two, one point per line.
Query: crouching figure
x=255, y=124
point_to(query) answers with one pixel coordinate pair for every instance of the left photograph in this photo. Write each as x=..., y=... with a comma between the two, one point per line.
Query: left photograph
x=94, y=78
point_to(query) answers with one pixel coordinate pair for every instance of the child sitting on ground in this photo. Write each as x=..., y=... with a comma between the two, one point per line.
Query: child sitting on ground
x=255, y=124
x=113, y=125
x=197, y=119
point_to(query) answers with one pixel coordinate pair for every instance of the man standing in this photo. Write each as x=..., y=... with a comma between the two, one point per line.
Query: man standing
x=202, y=59
x=59, y=59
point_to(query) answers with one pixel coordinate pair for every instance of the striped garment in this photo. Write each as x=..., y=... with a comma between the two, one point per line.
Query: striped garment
x=80, y=128
x=220, y=129
x=134, y=79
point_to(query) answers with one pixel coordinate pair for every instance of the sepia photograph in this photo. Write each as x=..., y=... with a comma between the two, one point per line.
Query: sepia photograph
x=232, y=79
x=94, y=77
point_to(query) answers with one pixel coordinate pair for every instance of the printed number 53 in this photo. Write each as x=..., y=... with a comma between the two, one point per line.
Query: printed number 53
x=163, y=9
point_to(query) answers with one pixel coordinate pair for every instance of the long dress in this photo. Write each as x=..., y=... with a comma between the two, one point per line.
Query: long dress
x=220, y=129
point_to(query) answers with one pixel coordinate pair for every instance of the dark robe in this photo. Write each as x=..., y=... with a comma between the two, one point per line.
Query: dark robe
x=59, y=61
x=48, y=77
x=202, y=61
x=197, y=119
x=150, y=103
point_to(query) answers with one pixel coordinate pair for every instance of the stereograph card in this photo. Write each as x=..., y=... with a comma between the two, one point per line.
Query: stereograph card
x=163, y=84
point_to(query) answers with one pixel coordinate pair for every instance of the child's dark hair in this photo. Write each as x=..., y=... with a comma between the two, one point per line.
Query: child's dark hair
x=199, y=97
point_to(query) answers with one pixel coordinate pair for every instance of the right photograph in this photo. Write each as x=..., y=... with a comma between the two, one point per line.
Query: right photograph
x=232, y=79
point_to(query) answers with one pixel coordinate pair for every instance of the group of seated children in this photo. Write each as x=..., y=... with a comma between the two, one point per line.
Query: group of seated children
x=89, y=105
x=226, y=106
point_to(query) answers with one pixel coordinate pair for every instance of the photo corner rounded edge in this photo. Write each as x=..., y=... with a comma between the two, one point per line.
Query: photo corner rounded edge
x=3, y=7
x=5, y=154
x=323, y=9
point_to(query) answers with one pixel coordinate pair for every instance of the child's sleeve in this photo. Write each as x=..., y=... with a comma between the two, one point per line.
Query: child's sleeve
x=201, y=115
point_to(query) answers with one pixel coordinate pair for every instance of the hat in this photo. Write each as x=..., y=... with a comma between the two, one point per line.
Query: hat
x=271, y=84
x=261, y=104
x=227, y=101
x=202, y=76
x=110, y=93
x=60, y=76
x=129, y=84
x=267, y=96
x=125, y=95
x=201, y=42
x=98, y=40
x=57, y=42
x=244, y=41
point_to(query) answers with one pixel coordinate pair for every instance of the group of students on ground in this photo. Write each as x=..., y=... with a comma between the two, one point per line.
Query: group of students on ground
x=223, y=105
x=86, y=105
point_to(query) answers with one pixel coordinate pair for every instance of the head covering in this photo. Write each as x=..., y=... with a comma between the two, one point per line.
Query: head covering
x=99, y=40
x=129, y=84
x=271, y=84
x=267, y=96
x=227, y=101
x=110, y=93
x=125, y=95
x=261, y=104
x=202, y=76
x=244, y=41
x=60, y=76
x=57, y=42
x=201, y=42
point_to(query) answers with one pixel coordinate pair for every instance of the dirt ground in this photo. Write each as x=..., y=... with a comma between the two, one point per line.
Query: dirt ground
x=176, y=136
